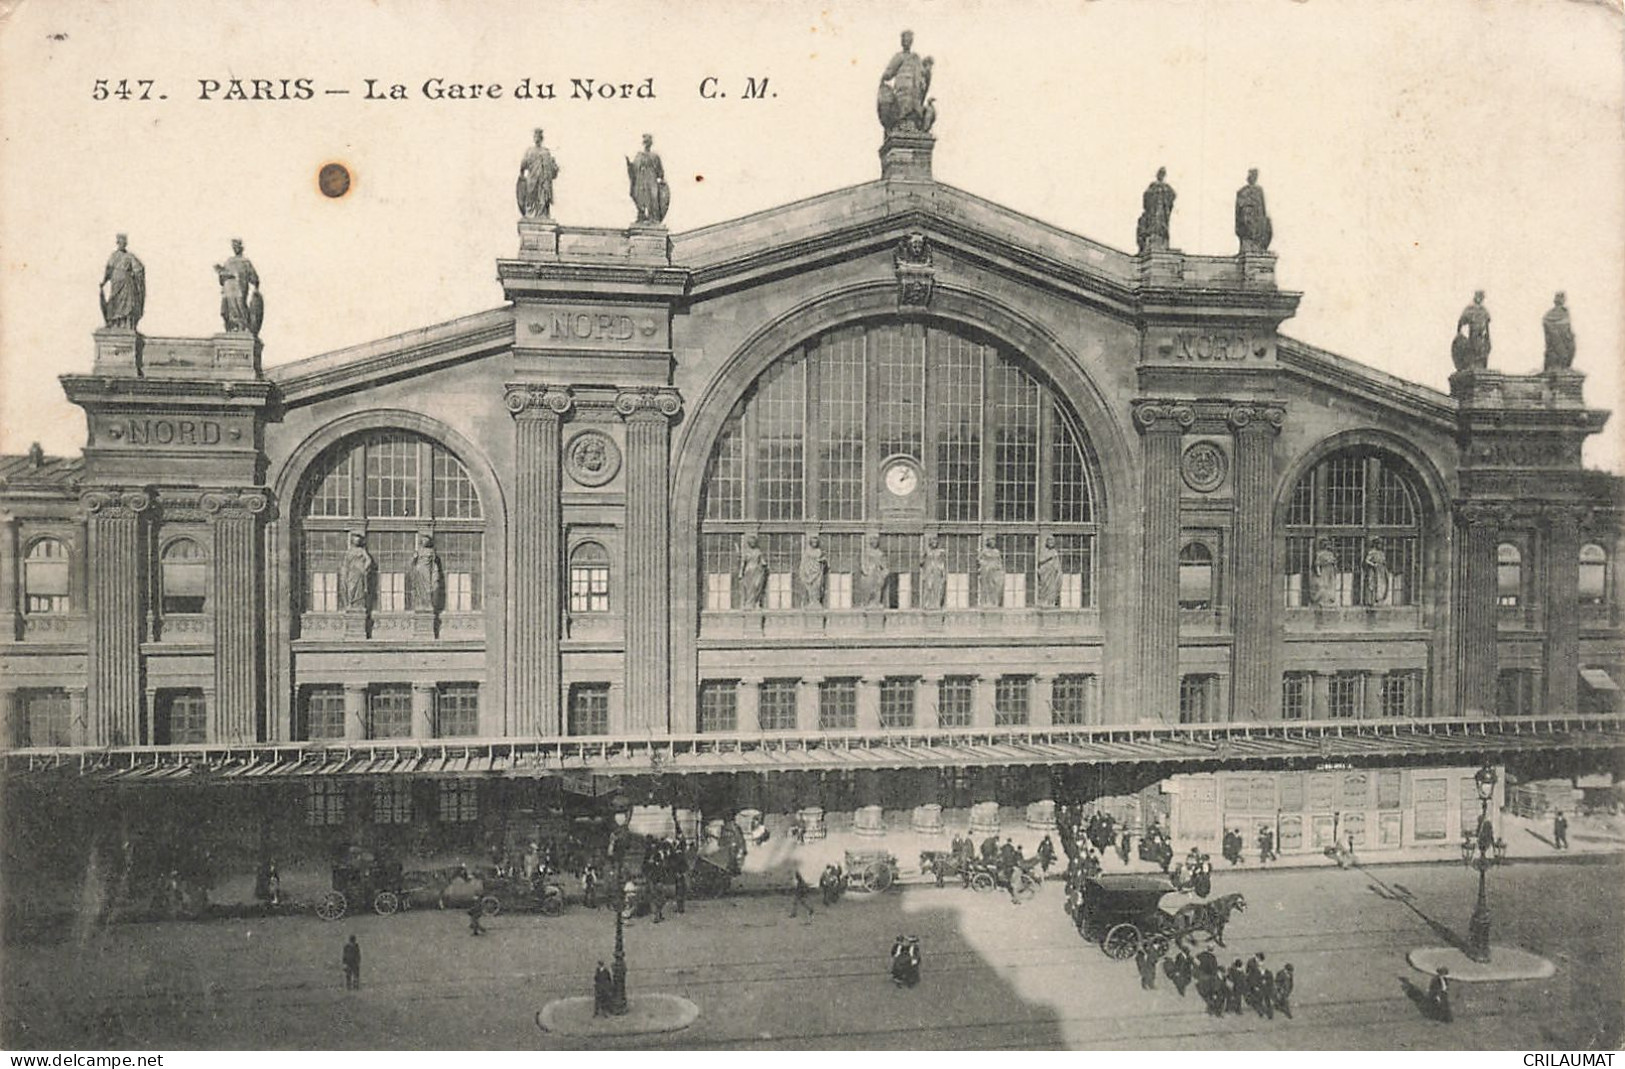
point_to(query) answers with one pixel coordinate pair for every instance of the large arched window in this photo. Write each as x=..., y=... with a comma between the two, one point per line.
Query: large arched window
x=392, y=485
x=1508, y=575
x=184, y=577
x=589, y=578
x=1195, y=576
x=1593, y=574
x=897, y=429
x=45, y=577
x=1354, y=533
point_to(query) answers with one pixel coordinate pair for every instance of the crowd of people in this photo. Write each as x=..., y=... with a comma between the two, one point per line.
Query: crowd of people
x=1224, y=990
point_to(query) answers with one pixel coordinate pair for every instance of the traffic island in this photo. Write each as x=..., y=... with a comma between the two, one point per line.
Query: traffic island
x=644, y=1014
x=1506, y=963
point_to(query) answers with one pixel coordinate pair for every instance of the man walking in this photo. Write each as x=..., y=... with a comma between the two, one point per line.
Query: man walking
x=1560, y=831
x=603, y=987
x=475, y=912
x=1235, y=987
x=800, y=889
x=1283, y=990
x=1147, y=964
x=657, y=899
x=1439, y=995
x=352, y=965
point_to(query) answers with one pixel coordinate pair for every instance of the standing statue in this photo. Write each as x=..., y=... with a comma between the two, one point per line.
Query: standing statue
x=428, y=578
x=535, y=186
x=1377, y=579
x=1559, y=335
x=902, y=103
x=356, y=575
x=1472, y=350
x=125, y=295
x=811, y=573
x=648, y=179
x=1048, y=570
x=241, y=306
x=933, y=574
x=1252, y=221
x=752, y=574
x=1324, y=590
x=989, y=574
x=1157, y=206
x=872, y=573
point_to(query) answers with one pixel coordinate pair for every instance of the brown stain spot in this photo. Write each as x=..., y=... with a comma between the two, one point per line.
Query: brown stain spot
x=333, y=179
x=699, y=178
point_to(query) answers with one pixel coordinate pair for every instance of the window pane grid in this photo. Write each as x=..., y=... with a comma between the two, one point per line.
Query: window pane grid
x=781, y=414
x=185, y=718
x=1071, y=499
x=896, y=703
x=840, y=428
x=956, y=399
x=457, y=710
x=460, y=559
x=391, y=801
x=899, y=358
x=955, y=695
x=725, y=484
x=459, y=801
x=719, y=706
x=332, y=496
x=1295, y=696
x=45, y=577
x=1011, y=696
x=454, y=494
x=1069, y=699
x=1348, y=548
x=838, y=705
x=389, y=711
x=43, y=718
x=1014, y=397
x=323, y=713
x=1343, y=696
x=589, y=709
x=776, y=705
x=392, y=477
x=324, y=802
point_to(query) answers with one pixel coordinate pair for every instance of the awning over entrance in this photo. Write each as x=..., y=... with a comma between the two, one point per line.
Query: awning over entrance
x=1597, y=679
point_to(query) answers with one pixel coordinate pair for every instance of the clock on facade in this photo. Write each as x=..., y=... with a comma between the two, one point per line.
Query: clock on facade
x=902, y=478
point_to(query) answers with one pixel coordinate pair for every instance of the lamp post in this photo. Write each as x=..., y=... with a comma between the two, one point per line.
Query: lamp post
x=1482, y=858
x=617, y=970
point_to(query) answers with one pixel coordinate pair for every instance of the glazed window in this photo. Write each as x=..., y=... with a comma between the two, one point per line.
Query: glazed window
x=45, y=577
x=321, y=712
x=589, y=709
x=392, y=801
x=1012, y=700
x=1069, y=699
x=42, y=718
x=589, y=578
x=389, y=711
x=459, y=801
x=1354, y=533
x=1195, y=576
x=1198, y=698
x=719, y=705
x=838, y=705
x=1508, y=575
x=776, y=705
x=1593, y=574
x=184, y=568
x=457, y=710
x=1295, y=696
x=955, y=701
x=181, y=717
x=897, y=702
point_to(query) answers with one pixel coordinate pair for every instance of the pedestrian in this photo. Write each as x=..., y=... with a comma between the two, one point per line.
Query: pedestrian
x=1046, y=854
x=1266, y=845
x=1123, y=845
x=352, y=965
x=1266, y=997
x=800, y=889
x=657, y=899
x=679, y=875
x=1283, y=990
x=1560, y=831
x=475, y=912
x=1235, y=982
x=1255, y=982
x=603, y=987
x=589, y=885
x=990, y=849
x=1147, y=964
x=1180, y=970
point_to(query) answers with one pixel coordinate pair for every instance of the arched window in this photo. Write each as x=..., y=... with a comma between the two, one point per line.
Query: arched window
x=393, y=485
x=589, y=578
x=900, y=429
x=1195, y=576
x=1354, y=533
x=1508, y=575
x=184, y=577
x=45, y=577
x=1593, y=574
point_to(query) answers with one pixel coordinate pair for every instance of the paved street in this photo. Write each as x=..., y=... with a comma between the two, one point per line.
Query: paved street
x=995, y=975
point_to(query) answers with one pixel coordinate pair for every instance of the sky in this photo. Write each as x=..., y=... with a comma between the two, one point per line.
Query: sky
x=1411, y=153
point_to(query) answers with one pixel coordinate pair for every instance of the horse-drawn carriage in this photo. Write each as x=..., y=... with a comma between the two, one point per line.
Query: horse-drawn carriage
x=1123, y=911
x=363, y=880
x=870, y=870
x=980, y=875
x=500, y=889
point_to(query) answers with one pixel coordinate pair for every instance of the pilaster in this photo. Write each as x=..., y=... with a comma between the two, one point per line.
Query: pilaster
x=1477, y=611
x=10, y=567
x=983, y=710
x=78, y=717
x=1253, y=674
x=536, y=590
x=1041, y=710
x=868, y=704
x=806, y=705
x=750, y=704
x=235, y=517
x=926, y=697
x=648, y=413
x=1161, y=424
x=423, y=698
x=1561, y=656
x=355, y=712
x=117, y=579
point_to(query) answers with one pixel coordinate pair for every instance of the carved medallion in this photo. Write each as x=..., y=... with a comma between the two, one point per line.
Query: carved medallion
x=592, y=458
x=1203, y=467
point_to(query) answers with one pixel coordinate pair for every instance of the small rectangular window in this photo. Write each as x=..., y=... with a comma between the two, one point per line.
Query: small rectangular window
x=955, y=697
x=324, y=592
x=43, y=718
x=323, y=713
x=718, y=592
x=459, y=592
x=719, y=706
x=589, y=588
x=1069, y=697
x=459, y=801
x=389, y=711
x=391, y=591
x=589, y=709
x=780, y=591
x=392, y=801
x=457, y=710
x=838, y=594
x=1295, y=696
x=1071, y=591
x=838, y=705
x=324, y=802
x=958, y=591
x=1343, y=696
x=182, y=718
x=1011, y=698
x=776, y=705
x=897, y=703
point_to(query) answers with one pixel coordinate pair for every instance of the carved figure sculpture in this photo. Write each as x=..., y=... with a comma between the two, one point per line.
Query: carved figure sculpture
x=872, y=573
x=123, y=290
x=356, y=574
x=811, y=573
x=535, y=187
x=647, y=177
x=1472, y=350
x=752, y=574
x=1377, y=577
x=933, y=574
x=1253, y=225
x=242, y=308
x=1559, y=335
x=989, y=574
x=1157, y=206
x=428, y=578
x=1048, y=570
x=1324, y=590
x=901, y=100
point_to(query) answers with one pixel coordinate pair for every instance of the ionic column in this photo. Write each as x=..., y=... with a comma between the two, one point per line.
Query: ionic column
x=1161, y=425
x=1254, y=691
x=926, y=697
x=234, y=714
x=648, y=414
x=1477, y=610
x=868, y=705
x=118, y=572
x=1562, y=652
x=535, y=589
x=750, y=704
x=355, y=712
x=423, y=695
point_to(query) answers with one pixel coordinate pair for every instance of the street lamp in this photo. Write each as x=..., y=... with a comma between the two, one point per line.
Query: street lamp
x=617, y=970
x=1484, y=855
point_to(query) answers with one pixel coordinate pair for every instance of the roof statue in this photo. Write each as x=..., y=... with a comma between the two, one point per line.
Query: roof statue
x=123, y=289
x=535, y=186
x=1157, y=206
x=1472, y=350
x=649, y=191
x=242, y=308
x=1253, y=225
x=901, y=102
x=1559, y=335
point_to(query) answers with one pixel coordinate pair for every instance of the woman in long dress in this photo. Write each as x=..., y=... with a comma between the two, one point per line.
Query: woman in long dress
x=933, y=574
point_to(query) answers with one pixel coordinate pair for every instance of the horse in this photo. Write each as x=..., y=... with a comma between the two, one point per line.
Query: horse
x=1210, y=917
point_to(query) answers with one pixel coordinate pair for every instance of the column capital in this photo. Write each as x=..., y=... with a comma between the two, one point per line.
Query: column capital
x=649, y=402
x=224, y=504
x=1257, y=417
x=420, y=687
x=1163, y=417
x=110, y=501
x=1483, y=513
x=354, y=688
x=537, y=400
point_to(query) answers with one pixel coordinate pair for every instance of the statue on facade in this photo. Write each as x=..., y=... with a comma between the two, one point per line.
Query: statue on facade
x=241, y=306
x=123, y=290
x=873, y=572
x=933, y=574
x=1253, y=225
x=1324, y=587
x=1377, y=578
x=535, y=186
x=649, y=191
x=752, y=573
x=1559, y=335
x=356, y=574
x=989, y=574
x=1472, y=350
x=427, y=577
x=1048, y=573
x=901, y=101
x=1157, y=206
x=812, y=572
